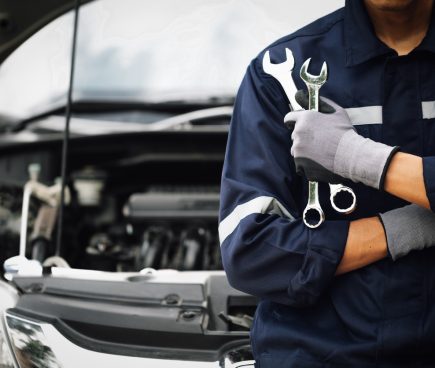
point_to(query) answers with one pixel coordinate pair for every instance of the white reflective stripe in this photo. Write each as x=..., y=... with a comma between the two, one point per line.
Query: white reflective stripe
x=373, y=114
x=257, y=205
x=428, y=109
x=365, y=115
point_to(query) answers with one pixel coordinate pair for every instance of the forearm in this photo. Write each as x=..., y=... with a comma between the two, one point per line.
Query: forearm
x=374, y=164
x=404, y=179
x=366, y=244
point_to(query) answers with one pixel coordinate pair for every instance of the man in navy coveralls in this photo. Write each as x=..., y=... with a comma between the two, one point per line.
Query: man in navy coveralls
x=359, y=291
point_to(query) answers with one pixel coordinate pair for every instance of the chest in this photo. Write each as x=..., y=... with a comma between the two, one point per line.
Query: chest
x=390, y=100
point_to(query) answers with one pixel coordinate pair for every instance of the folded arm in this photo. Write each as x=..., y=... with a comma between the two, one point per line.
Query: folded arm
x=266, y=249
x=404, y=179
x=335, y=150
x=365, y=245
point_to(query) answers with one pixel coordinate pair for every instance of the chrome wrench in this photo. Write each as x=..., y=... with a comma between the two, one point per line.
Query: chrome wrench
x=283, y=73
x=314, y=220
x=313, y=215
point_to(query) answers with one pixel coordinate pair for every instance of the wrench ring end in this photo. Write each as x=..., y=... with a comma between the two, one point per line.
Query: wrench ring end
x=343, y=189
x=318, y=212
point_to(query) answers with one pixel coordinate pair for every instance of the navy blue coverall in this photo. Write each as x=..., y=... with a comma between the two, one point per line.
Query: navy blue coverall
x=382, y=315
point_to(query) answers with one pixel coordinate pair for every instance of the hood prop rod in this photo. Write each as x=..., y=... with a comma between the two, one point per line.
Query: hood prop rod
x=64, y=162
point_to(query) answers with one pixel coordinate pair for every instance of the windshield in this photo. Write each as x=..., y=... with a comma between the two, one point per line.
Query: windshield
x=148, y=51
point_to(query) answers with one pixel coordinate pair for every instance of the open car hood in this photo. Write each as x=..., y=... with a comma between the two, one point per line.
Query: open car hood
x=21, y=19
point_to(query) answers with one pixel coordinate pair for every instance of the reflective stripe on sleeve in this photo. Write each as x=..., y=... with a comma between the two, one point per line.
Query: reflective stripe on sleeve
x=262, y=205
x=365, y=115
x=428, y=109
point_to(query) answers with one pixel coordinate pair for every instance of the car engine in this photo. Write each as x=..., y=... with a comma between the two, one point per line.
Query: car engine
x=121, y=215
x=163, y=227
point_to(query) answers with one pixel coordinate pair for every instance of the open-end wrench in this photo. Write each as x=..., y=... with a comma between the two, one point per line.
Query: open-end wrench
x=313, y=213
x=282, y=72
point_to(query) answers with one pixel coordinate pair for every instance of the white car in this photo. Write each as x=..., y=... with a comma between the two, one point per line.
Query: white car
x=123, y=267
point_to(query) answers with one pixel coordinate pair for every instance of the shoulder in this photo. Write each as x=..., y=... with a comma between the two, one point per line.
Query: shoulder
x=318, y=28
x=325, y=29
x=325, y=33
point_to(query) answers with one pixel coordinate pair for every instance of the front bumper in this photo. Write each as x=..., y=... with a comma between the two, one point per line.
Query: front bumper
x=115, y=321
x=38, y=344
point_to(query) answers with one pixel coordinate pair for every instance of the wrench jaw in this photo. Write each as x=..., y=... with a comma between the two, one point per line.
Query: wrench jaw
x=317, y=80
x=340, y=195
x=276, y=70
x=314, y=83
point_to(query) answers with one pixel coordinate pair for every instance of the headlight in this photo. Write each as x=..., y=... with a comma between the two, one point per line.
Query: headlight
x=8, y=299
x=6, y=360
x=29, y=343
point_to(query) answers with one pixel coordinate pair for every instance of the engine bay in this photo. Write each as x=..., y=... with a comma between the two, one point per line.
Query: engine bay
x=135, y=200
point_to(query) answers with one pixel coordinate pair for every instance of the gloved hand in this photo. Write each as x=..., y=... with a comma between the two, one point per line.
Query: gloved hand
x=408, y=228
x=325, y=144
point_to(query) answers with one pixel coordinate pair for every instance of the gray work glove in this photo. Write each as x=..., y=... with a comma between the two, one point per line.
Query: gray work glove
x=408, y=228
x=326, y=144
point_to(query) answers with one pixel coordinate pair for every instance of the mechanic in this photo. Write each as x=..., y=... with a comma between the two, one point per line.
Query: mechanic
x=359, y=291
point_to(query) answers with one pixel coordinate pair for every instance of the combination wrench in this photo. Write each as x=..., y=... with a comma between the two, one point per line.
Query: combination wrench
x=282, y=72
x=313, y=215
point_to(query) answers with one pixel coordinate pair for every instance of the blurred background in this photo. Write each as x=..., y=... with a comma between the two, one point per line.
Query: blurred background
x=153, y=51
x=154, y=86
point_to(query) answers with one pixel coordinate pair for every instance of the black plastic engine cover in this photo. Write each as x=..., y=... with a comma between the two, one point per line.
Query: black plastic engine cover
x=171, y=320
